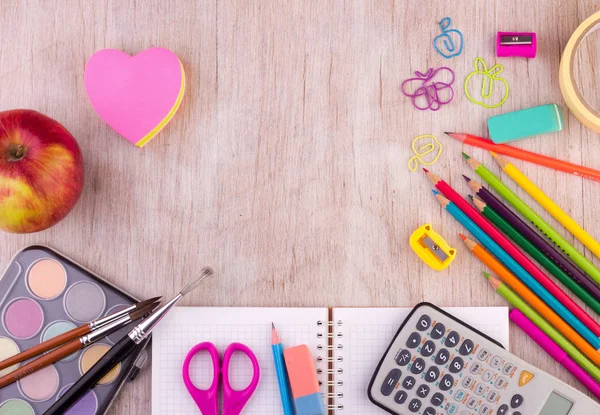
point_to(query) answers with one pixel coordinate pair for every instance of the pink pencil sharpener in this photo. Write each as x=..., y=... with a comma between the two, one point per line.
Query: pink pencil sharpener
x=523, y=44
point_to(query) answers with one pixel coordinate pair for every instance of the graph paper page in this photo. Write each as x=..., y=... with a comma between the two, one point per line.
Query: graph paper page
x=185, y=327
x=367, y=332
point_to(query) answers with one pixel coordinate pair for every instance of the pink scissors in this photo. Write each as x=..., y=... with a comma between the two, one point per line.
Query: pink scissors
x=233, y=400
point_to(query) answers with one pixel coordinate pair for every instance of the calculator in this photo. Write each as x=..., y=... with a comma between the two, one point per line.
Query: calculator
x=438, y=365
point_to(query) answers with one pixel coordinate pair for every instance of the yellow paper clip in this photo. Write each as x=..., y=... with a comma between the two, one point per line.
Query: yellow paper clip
x=431, y=247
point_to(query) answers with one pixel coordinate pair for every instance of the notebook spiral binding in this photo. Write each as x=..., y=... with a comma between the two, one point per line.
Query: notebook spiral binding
x=331, y=348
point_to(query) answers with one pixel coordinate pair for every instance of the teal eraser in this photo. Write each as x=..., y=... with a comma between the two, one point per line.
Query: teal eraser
x=529, y=122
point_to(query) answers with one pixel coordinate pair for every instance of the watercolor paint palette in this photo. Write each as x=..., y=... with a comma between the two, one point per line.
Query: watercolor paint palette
x=44, y=294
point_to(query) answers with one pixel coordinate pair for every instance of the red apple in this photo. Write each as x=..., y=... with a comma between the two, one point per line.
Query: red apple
x=41, y=171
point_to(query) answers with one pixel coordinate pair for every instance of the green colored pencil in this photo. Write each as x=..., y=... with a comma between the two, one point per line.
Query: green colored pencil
x=550, y=331
x=533, y=217
x=532, y=250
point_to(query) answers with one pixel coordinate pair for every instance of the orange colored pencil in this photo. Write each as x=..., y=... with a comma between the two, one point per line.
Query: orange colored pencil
x=537, y=304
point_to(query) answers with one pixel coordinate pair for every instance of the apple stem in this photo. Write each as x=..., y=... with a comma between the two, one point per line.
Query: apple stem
x=20, y=152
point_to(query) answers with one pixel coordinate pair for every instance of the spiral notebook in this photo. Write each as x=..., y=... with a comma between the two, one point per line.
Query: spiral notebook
x=346, y=344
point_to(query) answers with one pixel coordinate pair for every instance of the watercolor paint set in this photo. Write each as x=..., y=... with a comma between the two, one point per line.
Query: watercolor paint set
x=44, y=294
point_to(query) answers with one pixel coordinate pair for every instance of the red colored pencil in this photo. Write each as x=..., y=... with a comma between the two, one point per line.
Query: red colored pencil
x=513, y=251
x=517, y=153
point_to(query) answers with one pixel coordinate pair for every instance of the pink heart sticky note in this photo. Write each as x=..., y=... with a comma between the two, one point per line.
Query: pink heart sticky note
x=136, y=95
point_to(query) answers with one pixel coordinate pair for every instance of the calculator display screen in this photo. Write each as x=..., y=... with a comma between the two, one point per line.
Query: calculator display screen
x=556, y=405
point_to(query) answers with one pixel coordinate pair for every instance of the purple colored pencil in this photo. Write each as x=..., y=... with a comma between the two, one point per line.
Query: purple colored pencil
x=540, y=243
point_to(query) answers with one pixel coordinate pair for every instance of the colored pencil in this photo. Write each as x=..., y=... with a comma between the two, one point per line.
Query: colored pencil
x=534, y=302
x=550, y=250
x=517, y=153
x=512, y=251
x=538, y=255
x=554, y=351
x=534, y=218
x=517, y=269
x=282, y=376
x=548, y=204
x=517, y=302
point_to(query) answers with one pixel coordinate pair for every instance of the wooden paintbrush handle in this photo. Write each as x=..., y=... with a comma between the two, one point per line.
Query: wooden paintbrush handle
x=41, y=362
x=45, y=346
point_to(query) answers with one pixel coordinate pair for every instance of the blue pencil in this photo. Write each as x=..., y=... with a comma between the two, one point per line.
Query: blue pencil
x=282, y=376
x=519, y=271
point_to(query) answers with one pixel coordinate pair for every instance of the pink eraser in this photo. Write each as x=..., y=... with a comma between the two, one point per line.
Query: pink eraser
x=301, y=371
x=523, y=44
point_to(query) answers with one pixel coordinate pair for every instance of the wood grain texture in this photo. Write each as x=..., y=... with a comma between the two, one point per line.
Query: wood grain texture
x=285, y=167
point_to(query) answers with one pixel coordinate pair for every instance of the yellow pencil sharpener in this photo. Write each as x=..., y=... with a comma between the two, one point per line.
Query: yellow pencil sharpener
x=432, y=248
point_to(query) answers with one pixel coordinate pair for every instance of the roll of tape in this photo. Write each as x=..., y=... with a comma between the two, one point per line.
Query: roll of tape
x=582, y=110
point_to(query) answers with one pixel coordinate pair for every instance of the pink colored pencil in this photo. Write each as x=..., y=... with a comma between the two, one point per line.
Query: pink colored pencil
x=514, y=252
x=554, y=351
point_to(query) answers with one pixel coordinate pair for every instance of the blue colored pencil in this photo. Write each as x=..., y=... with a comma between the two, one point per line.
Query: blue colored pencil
x=282, y=376
x=519, y=271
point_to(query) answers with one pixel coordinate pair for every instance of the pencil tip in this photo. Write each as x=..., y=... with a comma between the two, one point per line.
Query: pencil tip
x=467, y=178
x=435, y=192
x=466, y=156
x=425, y=170
x=447, y=133
x=470, y=197
x=272, y=325
x=463, y=237
x=493, y=154
x=486, y=275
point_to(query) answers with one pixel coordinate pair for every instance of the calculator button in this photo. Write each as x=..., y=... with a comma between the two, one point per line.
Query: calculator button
x=432, y=374
x=400, y=397
x=429, y=411
x=414, y=405
x=500, y=383
x=472, y=402
x=467, y=381
x=437, y=399
x=438, y=331
x=516, y=401
x=390, y=382
x=408, y=383
x=492, y=396
x=456, y=365
x=466, y=348
x=475, y=368
x=424, y=323
x=479, y=389
x=452, y=339
x=503, y=410
x=460, y=395
x=423, y=391
x=525, y=377
x=516, y=413
x=417, y=366
x=442, y=357
x=485, y=409
x=487, y=375
x=413, y=340
x=447, y=382
x=496, y=362
x=428, y=348
x=483, y=355
x=403, y=357
x=508, y=367
x=451, y=408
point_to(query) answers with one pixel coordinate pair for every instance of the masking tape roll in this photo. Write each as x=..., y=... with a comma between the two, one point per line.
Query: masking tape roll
x=584, y=113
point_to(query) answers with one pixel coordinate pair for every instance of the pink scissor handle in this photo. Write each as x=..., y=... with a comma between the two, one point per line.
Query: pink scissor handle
x=234, y=400
x=206, y=400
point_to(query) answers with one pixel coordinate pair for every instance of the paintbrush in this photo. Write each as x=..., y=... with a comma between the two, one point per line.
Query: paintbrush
x=121, y=350
x=74, y=334
x=74, y=345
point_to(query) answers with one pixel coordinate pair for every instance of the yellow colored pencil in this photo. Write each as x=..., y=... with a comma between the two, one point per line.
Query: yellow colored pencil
x=548, y=204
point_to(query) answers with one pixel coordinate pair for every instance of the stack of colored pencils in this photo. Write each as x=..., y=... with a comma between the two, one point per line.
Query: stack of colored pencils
x=559, y=319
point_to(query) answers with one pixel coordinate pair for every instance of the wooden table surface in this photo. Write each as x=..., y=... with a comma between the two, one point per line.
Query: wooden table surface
x=286, y=165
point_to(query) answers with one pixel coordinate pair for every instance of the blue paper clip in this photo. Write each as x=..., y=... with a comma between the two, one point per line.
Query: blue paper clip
x=446, y=37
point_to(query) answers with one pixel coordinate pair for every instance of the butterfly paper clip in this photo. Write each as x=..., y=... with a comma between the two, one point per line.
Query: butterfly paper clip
x=446, y=38
x=428, y=93
x=490, y=77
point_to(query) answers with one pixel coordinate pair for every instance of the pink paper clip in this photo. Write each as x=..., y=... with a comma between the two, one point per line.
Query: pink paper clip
x=522, y=44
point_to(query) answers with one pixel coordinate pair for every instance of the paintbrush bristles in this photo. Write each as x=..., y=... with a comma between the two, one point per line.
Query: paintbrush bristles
x=206, y=273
